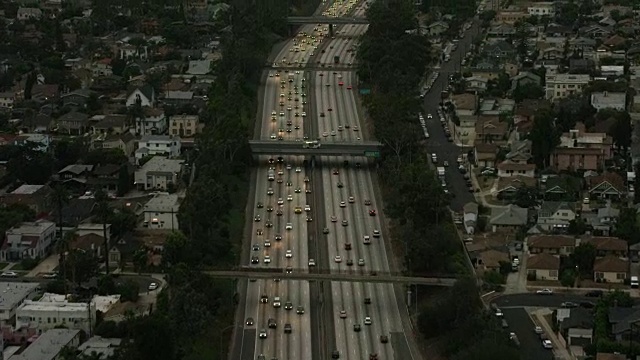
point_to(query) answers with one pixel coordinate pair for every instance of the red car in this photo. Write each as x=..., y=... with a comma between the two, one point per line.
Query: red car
x=349, y=87
x=372, y=213
x=340, y=83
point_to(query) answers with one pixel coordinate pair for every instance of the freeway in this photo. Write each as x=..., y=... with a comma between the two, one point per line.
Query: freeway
x=342, y=182
x=346, y=276
x=271, y=147
x=301, y=20
x=312, y=67
x=438, y=142
x=279, y=231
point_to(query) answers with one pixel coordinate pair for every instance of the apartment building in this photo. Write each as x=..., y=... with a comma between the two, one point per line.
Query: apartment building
x=151, y=145
x=542, y=9
x=581, y=150
x=559, y=86
x=184, y=125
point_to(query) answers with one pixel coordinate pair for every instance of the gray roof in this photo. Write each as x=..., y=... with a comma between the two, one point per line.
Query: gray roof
x=48, y=345
x=549, y=208
x=76, y=169
x=13, y=293
x=74, y=116
x=511, y=215
x=179, y=95
x=471, y=208
x=103, y=346
x=166, y=138
x=608, y=211
x=163, y=204
x=160, y=164
x=621, y=317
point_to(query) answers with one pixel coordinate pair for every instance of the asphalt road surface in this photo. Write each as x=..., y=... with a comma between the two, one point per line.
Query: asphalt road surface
x=437, y=142
x=530, y=343
x=535, y=300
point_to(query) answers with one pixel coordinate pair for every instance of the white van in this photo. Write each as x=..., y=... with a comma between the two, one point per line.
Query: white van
x=634, y=282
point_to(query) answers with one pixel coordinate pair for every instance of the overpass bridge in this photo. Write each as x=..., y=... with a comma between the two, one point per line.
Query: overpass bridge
x=304, y=20
x=347, y=277
x=274, y=147
x=313, y=67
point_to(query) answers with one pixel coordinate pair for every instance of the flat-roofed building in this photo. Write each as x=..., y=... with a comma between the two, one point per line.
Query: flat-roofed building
x=12, y=294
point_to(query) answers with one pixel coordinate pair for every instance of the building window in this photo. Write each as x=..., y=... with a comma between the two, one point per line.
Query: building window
x=621, y=276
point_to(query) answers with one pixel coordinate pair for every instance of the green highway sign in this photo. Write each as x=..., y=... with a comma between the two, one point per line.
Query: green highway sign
x=373, y=154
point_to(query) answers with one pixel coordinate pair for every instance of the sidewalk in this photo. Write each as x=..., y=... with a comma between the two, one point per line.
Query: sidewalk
x=47, y=265
x=558, y=348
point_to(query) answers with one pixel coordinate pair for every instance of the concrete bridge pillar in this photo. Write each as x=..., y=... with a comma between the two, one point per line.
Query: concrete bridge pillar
x=331, y=30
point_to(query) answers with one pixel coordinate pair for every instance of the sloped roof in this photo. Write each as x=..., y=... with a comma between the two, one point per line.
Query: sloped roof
x=543, y=261
x=550, y=241
x=512, y=215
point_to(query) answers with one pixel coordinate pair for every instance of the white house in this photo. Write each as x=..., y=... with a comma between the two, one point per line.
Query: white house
x=29, y=13
x=28, y=240
x=153, y=122
x=45, y=315
x=510, y=168
x=556, y=215
x=50, y=344
x=161, y=212
x=158, y=174
x=559, y=86
x=151, y=145
x=542, y=9
x=470, y=217
x=13, y=294
x=609, y=100
x=145, y=95
x=7, y=99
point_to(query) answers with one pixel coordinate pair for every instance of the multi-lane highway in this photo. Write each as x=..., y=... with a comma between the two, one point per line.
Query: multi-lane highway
x=309, y=218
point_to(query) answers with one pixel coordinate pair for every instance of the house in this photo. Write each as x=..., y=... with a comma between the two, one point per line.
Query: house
x=28, y=240
x=551, y=244
x=89, y=243
x=499, y=50
x=43, y=93
x=491, y=260
x=621, y=319
x=125, y=142
x=151, y=145
x=74, y=171
x=437, y=28
x=75, y=212
x=485, y=155
x=581, y=150
x=609, y=185
x=508, y=186
x=104, y=347
x=159, y=173
x=76, y=98
x=74, y=123
x=102, y=67
x=520, y=151
x=28, y=13
x=161, y=212
x=595, y=31
x=609, y=100
x=153, y=122
x=581, y=66
x=610, y=269
x=37, y=123
x=199, y=67
x=559, y=86
x=556, y=215
x=501, y=30
x=470, y=216
x=607, y=246
x=40, y=142
x=13, y=294
x=510, y=15
x=7, y=99
x=542, y=9
x=107, y=176
x=50, y=344
x=39, y=198
x=143, y=95
x=56, y=313
x=490, y=130
x=543, y=267
x=475, y=83
x=603, y=222
x=178, y=98
x=184, y=125
x=109, y=124
x=510, y=168
x=562, y=188
x=525, y=78
x=577, y=329
x=511, y=218
x=87, y=228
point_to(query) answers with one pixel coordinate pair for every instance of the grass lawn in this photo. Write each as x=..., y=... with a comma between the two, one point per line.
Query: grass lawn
x=3, y=265
x=18, y=266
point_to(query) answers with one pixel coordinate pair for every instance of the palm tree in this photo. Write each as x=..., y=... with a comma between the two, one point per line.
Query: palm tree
x=62, y=248
x=103, y=211
x=61, y=197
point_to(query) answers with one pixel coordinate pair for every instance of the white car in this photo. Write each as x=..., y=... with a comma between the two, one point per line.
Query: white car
x=273, y=136
x=307, y=208
x=367, y=320
x=280, y=201
x=267, y=243
x=289, y=197
x=338, y=259
x=288, y=254
x=429, y=116
x=352, y=199
x=267, y=259
x=547, y=344
x=545, y=292
x=289, y=226
x=343, y=204
x=304, y=114
x=9, y=274
x=153, y=286
x=276, y=302
x=312, y=262
x=376, y=233
x=298, y=169
x=367, y=239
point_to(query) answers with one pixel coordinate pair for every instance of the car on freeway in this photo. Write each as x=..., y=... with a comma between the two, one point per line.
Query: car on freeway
x=255, y=260
x=366, y=239
x=287, y=328
x=376, y=233
x=352, y=199
x=312, y=262
x=288, y=254
x=367, y=320
x=349, y=262
x=263, y=334
x=337, y=259
x=367, y=202
x=267, y=259
x=384, y=339
x=343, y=314
x=264, y=299
x=259, y=232
x=288, y=305
x=345, y=222
x=276, y=302
x=259, y=205
x=334, y=218
x=340, y=185
x=347, y=246
x=343, y=204
x=268, y=224
x=278, y=237
x=360, y=262
x=372, y=212
x=289, y=226
x=325, y=231
x=300, y=310
x=257, y=218
x=249, y=321
x=255, y=247
x=544, y=292
x=356, y=327
x=267, y=243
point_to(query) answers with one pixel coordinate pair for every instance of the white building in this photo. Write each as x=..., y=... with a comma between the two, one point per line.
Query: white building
x=12, y=295
x=609, y=100
x=559, y=86
x=7, y=99
x=542, y=9
x=158, y=173
x=45, y=315
x=144, y=95
x=153, y=122
x=29, y=13
x=49, y=345
x=28, y=240
x=151, y=145
x=161, y=212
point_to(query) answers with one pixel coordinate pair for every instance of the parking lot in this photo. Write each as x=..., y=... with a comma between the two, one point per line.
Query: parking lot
x=530, y=344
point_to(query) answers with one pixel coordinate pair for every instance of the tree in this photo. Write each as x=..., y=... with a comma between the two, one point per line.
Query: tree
x=621, y=132
x=544, y=137
x=627, y=226
x=93, y=103
x=103, y=212
x=128, y=291
x=80, y=266
x=528, y=91
x=583, y=258
x=526, y=197
x=124, y=180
